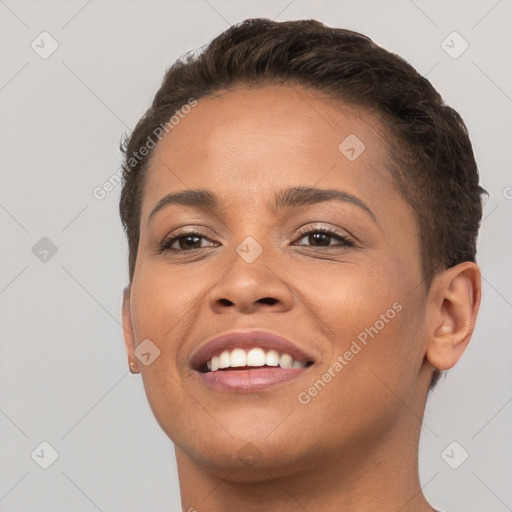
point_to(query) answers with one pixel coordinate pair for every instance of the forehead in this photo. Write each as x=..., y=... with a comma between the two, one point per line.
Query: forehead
x=246, y=143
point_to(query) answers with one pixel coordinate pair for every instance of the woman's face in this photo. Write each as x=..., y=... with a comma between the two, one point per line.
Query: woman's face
x=355, y=307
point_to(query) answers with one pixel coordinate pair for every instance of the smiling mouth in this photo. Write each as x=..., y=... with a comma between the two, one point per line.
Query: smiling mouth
x=250, y=371
x=256, y=358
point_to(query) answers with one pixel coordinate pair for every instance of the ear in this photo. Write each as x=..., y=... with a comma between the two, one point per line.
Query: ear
x=454, y=300
x=129, y=336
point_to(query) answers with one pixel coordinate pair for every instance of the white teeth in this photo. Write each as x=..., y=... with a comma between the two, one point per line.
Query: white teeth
x=286, y=361
x=254, y=358
x=238, y=358
x=272, y=358
x=224, y=360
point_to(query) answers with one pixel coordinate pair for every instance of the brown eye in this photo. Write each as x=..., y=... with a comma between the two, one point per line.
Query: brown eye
x=183, y=242
x=324, y=237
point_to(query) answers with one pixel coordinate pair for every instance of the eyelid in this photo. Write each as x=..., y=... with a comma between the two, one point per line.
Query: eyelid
x=192, y=230
x=326, y=229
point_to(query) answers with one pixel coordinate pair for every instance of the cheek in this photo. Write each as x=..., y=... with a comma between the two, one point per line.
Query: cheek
x=157, y=314
x=373, y=322
x=361, y=388
x=348, y=297
x=381, y=361
x=162, y=300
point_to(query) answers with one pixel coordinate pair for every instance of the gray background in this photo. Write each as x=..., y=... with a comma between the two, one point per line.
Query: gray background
x=63, y=370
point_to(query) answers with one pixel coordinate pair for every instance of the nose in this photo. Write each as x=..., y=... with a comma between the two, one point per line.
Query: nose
x=251, y=287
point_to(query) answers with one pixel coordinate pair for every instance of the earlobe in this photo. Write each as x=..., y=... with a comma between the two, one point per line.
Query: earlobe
x=454, y=302
x=129, y=336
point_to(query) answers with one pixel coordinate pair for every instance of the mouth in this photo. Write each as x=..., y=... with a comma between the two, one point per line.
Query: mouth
x=248, y=361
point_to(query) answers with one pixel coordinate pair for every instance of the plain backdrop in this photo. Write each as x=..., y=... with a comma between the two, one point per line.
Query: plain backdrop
x=63, y=372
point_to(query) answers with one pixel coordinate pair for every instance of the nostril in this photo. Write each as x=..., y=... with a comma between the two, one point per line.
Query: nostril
x=268, y=300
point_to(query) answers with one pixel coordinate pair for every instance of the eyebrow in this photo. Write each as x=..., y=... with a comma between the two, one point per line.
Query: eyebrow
x=294, y=197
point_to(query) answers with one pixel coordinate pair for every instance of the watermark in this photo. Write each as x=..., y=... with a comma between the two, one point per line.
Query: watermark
x=249, y=249
x=44, y=45
x=44, y=455
x=249, y=454
x=100, y=192
x=146, y=352
x=454, y=45
x=305, y=397
x=352, y=147
x=44, y=250
x=507, y=193
x=454, y=455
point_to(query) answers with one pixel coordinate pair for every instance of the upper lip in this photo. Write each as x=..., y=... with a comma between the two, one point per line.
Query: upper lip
x=246, y=340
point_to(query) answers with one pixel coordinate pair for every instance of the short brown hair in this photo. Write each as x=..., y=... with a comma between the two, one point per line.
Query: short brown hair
x=430, y=152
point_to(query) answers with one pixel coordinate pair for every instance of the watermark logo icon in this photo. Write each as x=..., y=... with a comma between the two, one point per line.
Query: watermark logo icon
x=454, y=45
x=352, y=147
x=249, y=454
x=44, y=45
x=44, y=455
x=146, y=352
x=44, y=250
x=249, y=249
x=454, y=455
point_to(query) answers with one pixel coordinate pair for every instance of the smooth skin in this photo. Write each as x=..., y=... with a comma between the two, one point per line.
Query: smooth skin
x=354, y=446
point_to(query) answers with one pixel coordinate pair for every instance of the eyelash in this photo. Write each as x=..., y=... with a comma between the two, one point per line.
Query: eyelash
x=166, y=244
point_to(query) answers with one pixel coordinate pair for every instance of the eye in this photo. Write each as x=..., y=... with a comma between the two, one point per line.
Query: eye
x=322, y=237
x=186, y=241
x=193, y=240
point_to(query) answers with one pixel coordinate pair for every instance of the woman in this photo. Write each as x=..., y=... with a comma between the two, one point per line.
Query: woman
x=302, y=211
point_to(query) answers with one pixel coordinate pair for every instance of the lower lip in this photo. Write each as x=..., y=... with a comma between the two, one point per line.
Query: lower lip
x=248, y=381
